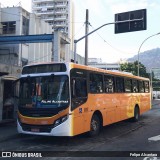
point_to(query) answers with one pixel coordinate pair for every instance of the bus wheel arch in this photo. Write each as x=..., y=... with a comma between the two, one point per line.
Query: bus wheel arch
x=136, y=113
x=96, y=123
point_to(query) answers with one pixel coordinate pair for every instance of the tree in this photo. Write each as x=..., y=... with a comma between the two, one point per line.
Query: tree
x=132, y=67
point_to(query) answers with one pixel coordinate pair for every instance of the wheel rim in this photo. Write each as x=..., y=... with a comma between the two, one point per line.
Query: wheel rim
x=94, y=125
x=136, y=114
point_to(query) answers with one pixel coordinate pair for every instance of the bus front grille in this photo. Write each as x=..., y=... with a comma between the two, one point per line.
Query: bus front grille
x=40, y=112
x=37, y=128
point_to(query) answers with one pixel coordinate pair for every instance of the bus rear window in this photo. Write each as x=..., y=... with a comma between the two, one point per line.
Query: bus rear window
x=44, y=68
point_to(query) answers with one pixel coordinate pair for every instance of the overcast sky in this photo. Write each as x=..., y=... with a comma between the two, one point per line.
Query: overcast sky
x=104, y=43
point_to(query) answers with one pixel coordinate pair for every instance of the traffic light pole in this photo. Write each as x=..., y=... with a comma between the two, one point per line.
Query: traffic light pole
x=76, y=41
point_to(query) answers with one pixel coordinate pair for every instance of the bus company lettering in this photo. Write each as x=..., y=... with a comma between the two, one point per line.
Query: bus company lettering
x=143, y=155
x=24, y=154
x=135, y=154
x=52, y=101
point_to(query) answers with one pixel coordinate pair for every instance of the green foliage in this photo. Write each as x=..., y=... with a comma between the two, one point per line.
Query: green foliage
x=133, y=68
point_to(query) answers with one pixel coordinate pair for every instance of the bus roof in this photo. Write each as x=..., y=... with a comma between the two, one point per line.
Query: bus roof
x=80, y=66
x=114, y=72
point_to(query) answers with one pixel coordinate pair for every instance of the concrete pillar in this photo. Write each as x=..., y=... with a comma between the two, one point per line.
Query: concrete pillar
x=56, y=47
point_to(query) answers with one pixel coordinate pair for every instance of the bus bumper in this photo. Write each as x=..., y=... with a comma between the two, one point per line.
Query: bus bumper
x=63, y=129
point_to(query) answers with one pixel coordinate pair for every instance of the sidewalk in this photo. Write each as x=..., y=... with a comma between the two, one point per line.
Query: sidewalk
x=8, y=130
x=155, y=102
x=7, y=121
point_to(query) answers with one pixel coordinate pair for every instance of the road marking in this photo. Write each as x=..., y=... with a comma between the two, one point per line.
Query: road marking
x=151, y=158
x=155, y=138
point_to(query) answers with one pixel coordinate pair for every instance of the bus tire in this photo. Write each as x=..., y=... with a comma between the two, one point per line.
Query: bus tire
x=136, y=114
x=94, y=126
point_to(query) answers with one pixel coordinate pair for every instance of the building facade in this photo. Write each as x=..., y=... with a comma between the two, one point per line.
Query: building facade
x=17, y=21
x=58, y=13
x=14, y=21
x=94, y=60
x=39, y=52
x=106, y=66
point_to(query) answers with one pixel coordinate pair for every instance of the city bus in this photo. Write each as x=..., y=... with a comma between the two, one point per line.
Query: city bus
x=67, y=99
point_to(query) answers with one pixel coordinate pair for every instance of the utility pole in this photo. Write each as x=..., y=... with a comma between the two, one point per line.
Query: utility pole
x=86, y=38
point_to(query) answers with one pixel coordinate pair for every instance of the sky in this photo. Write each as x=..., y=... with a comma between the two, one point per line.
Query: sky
x=104, y=43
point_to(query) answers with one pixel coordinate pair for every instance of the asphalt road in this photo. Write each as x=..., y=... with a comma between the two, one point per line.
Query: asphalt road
x=118, y=140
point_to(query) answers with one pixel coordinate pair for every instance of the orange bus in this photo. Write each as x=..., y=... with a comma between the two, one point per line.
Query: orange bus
x=67, y=99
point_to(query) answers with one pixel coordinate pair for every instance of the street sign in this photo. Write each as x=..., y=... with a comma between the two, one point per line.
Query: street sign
x=133, y=21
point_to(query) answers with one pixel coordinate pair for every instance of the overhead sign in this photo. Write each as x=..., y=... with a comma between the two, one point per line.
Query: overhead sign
x=130, y=21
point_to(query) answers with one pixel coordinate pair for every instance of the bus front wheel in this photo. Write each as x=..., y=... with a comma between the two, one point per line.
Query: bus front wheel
x=94, y=126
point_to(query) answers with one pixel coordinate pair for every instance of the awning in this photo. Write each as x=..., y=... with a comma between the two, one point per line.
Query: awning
x=9, y=78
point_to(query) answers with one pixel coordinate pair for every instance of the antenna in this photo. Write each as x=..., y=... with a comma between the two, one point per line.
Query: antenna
x=19, y=4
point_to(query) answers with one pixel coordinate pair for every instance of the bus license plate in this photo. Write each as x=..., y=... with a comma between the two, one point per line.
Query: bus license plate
x=34, y=129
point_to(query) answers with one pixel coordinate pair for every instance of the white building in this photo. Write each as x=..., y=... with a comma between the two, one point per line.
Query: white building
x=58, y=13
x=106, y=66
x=97, y=62
x=17, y=21
x=94, y=60
x=39, y=52
x=14, y=21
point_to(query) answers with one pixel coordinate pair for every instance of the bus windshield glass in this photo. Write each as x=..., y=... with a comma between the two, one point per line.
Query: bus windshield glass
x=44, y=92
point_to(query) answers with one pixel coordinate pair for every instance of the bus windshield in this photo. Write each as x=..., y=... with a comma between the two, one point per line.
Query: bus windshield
x=44, y=92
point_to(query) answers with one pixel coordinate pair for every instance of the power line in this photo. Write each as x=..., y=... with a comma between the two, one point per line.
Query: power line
x=42, y=56
x=110, y=44
x=39, y=58
x=78, y=30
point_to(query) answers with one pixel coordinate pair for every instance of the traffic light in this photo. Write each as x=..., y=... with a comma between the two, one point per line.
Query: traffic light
x=136, y=21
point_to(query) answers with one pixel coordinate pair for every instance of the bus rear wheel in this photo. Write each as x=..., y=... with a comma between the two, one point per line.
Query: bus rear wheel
x=136, y=114
x=94, y=126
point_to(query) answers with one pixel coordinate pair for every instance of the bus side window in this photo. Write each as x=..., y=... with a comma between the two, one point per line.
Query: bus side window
x=119, y=84
x=128, y=85
x=141, y=86
x=96, y=83
x=79, y=87
x=135, y=86
x=109, y=84
x=146, y=85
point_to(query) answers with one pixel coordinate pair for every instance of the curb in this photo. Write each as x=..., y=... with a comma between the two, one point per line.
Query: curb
x=7, y=121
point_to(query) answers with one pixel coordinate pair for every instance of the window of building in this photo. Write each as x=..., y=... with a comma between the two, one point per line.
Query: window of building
x=9, y=27
x=109, y=84
x=25, y=29
x=96, y=83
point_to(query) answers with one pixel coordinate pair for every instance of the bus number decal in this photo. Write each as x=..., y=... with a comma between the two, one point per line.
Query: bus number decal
x=80, y=110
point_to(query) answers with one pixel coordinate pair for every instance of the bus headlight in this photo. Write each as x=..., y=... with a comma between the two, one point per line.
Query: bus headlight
x=60, y=120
